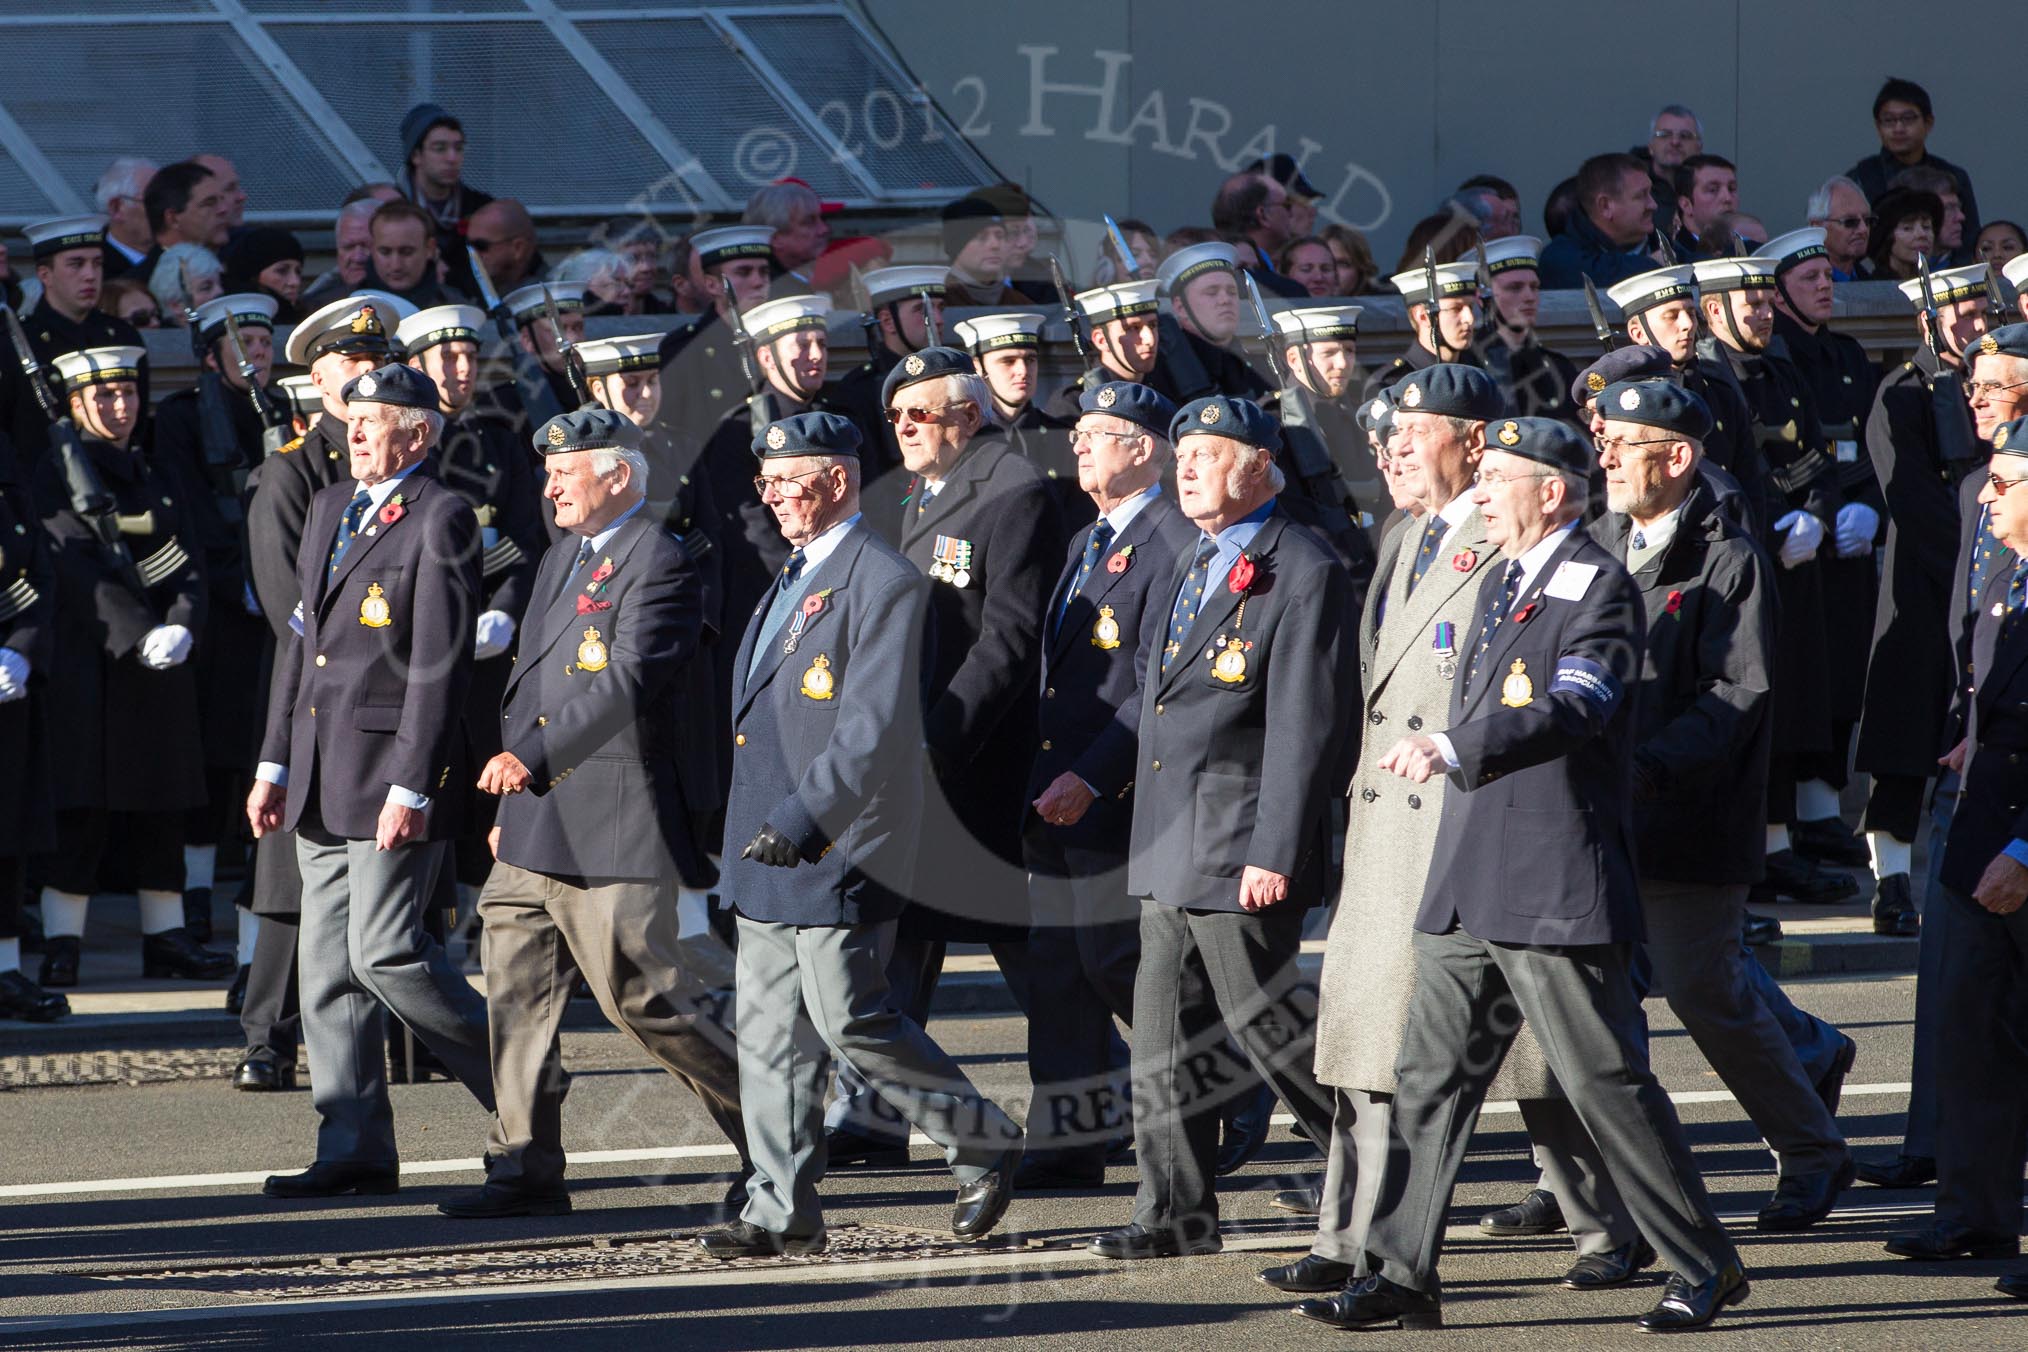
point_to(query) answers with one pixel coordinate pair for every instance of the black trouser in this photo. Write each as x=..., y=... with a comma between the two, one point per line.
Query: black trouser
x=269, y=1018
x=13, y=878
x=1895, y=806
x=140, y=850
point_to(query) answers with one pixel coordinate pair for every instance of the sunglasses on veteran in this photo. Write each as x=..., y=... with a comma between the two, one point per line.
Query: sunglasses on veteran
x=2001, y=484
x=928, y=417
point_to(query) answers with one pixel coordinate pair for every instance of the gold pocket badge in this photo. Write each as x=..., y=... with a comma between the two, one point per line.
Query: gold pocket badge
x=1517, y=691
x=374, y=612
x=1230, y=665
x=1105, y=633
x=591, y=654
x=817, y=680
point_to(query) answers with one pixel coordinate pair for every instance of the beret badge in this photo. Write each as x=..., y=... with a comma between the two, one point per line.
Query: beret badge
x=1210, y=415
x=777, y=438
x=1412, y=396
x=913, y=365
x=1630, y=399
x=2000, y=439
x=367, y=384
x=557, y=436
x=1595, y=382
x=1107, y=397
x=1379, y=409
x=1988, y=345
x=1510, y=433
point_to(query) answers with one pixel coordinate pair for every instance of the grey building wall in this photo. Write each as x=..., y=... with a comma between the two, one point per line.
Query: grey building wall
x=1141, y=106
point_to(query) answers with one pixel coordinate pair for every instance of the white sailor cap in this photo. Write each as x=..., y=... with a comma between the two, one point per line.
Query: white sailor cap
x=1186, y=265
x=2015, y=270
x=1515, y=251
x=891, y=284
x=303, y=395
x=771, y=319
x=361, y=324
x=48, y=238
x=99, y=366
x=728, y=242
x=1318, y=323
x=1649, y=289
x=247, y=308
x=1452, y=279
x=1752, y=273
x=1948, y=285
x=529, y=303
x=991, y=333
x=1795, y=248
x=609, y=356
x=439, y=324
x=1118, y=301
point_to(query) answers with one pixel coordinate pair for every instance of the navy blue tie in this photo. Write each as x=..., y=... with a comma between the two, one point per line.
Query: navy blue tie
x=1187, y=602
x=348, y=526
x=1094, y=550
x=1426, y=552
x=778, y=608
x=1984, y=551
x=1496, y=615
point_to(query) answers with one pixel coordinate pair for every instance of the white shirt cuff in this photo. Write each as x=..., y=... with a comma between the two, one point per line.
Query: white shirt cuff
x=269, y=772
x=1446, y=750
x=407, y=798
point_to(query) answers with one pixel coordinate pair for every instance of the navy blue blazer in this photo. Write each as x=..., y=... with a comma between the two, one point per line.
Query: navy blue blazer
x=600, y=739
x=1993, y=809
x=1243, y=771
x=1093, y=663
x=372, y=693
x=1539, y=848
x=827, y=744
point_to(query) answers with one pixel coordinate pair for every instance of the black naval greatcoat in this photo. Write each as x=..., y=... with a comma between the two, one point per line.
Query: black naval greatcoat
x=1189, y=367
x=50, y=336
x=1044, y=440
x=1416, y=358
x=1535, y=380
x=28, y=590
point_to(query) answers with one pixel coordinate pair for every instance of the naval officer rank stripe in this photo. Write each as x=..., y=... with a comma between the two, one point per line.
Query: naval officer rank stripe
x=164, y=563
x=501, y=557
x=17, y=598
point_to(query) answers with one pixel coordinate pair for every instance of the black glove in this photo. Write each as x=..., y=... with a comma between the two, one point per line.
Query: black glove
x=772, y=848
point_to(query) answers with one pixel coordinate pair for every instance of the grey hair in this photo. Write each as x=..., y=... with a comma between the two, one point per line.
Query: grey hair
x=427, y=420
x=362, y=210
x=1576, y=487
x=1675, y=110
x=606, y=459
x=971, y=388
x=1243, y=463
x=1819, y=208
x=165, y=283
x=586, y=264
x=779, y=204
x=121, y=179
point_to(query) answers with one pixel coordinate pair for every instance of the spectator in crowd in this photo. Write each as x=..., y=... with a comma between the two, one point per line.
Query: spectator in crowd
x=185, y=276
x=267, y=259
x=792, y=209
x=1746, y=230
x=119, y=196
x=232, y=197
x=1606, y=237
x=1452, y=233
x=352, y=242
x=405, y=255
x=1840, y=208
x=1707, y=192
x=1560, y=203
x=185, y=206
x=1950, y=228
x=607, y=278
x=433, y=167
x=1494, y=203
x=640, y=243
x=1149, y=250
x=1674, y=135
x=687, y=295
x=502, y=233
x=1353, y=257
x=1998, y=242
x=1309, y=260
x=975, y=240
x=1025, y=273
x=381, y=191
x=1251, y=212
x=1905, y=231
x=1303, y=195
x=128, y=298
x=1903, y=118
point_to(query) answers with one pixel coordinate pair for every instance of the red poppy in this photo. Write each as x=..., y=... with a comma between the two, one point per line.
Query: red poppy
x=586, y=605
x=603, y=571
x=1241, y=577
x=392, y=513
x=813, y=603
x=1674, y=603
x=1525, y=614
x=1119, y=562
x=1465, y=560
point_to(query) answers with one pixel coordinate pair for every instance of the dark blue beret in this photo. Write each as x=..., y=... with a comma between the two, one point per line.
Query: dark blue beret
x=1376, y=415
x=587, y=429
x=1658, y=403
x=1136, y=403
x=1451, y=389
x=927, y=364
x=2009, y=340
x=1546, y=441
x=401, y=386
x=808, y=434
x=2011, y=437
x=1641, y=362
x=1222, y=415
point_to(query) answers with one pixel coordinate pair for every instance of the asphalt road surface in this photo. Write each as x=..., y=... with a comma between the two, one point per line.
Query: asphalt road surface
x=130, y=1217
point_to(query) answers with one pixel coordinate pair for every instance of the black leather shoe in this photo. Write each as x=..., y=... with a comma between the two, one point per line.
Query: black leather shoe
x=1245, y=1130
x=1757, y=931
x=495, y=1199
x=1832, y=1087
x=982, y=1202
x=843, y=1145
x=173, y=953
x=235, y=994
x=22, y=999
x=197, y=914
x=336, y=1178
x=1614, y=1267
x=1539, y=1213
x=1309, y=1273
x=1373, y=1301
x=1133, y=1242
x=59, y=961
x=1792, y=876
x=743, y=1240
x=1894, y=910
x=1829, y=841
x=261, y=1071
x=1039, y=1174
x=1903, y=1171
x=1299, y=1201
x=1692, y=1305
x=1944, y=1243
x=1801, y=1200
x=2014, y=1284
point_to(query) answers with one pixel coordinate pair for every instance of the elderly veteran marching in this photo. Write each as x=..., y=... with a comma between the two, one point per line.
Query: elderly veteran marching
x=592, y=819
x=1539, y=741
x=827, y=792
x=363, y=724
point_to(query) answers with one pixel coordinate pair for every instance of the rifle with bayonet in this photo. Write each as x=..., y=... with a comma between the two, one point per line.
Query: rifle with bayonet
x=1080, y=338
x=88, y=497
x=758, y=412
x=1930, y=323
x=276, y=428
x=1337, y=509
x=531, y=382
x=1996, y=302
x=1432, y=304
x=1130, y=264
x=1600, y=326
x=573, y=365
x=225, y=465
x=869, y=322
x=932, y=330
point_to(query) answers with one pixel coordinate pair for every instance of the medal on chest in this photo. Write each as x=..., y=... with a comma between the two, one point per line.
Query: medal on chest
x=592, y=654
x=953, y=561
x=817, y=682
x=813, y=606
x=1444, y=643
x=1517, y=691
x=374, y=612
x=1105, y=631
x=1228, y=664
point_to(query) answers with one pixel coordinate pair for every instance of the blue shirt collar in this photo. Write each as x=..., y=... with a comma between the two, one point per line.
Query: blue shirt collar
x=605, y=537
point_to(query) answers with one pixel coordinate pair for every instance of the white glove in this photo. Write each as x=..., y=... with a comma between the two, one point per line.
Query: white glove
x=495, y=631
x=165, y=646
x=1857, y=525
x=1805, y=534
x=13, y=676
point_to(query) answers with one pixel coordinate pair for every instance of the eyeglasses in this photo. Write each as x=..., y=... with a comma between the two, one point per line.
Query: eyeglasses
x=1898, y=119
x=1619, y=445
x=1851, y=222
x=2000, y=485
x=1986, y=389
x=926, y=416
x=789, y=486
x=481, y=245
x=1660, y=135
x=1091, y=433
x=1493, y=478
